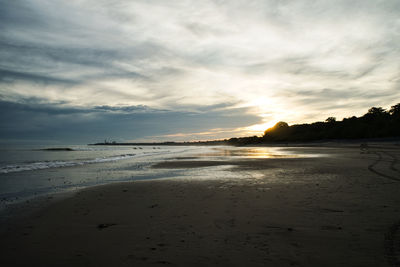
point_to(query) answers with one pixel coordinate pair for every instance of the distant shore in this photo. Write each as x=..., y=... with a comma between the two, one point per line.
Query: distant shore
x=225, y=142
x=337, y=209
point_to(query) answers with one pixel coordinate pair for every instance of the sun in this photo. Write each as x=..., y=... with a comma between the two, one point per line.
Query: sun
x=257, y=129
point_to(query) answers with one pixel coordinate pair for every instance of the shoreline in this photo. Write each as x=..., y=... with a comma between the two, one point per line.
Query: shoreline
x=330, y=211
x=317, y=142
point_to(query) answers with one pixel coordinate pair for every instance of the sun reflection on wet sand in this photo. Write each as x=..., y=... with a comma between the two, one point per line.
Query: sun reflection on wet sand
x=256, y=152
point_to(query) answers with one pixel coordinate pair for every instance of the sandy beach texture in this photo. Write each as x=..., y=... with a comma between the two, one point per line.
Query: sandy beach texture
x=342, y=209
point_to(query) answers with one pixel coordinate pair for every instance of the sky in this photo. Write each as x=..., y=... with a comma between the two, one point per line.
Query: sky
x=87, y=70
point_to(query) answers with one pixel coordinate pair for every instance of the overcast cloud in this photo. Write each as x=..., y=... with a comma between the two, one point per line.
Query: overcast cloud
x=258, y=61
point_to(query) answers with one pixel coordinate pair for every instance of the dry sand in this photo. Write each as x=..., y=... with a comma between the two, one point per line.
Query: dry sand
x=340, y=210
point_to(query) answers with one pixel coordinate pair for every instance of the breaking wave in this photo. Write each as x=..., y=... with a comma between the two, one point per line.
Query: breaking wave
x=58, y=164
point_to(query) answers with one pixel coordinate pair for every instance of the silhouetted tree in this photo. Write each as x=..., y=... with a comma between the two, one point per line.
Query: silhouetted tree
x=377, y=122
x=376, y=112
x=395, y=110
x=281, y=125
x=331, y=119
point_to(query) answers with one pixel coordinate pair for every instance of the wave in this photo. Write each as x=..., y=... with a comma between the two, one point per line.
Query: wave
x=58, y=164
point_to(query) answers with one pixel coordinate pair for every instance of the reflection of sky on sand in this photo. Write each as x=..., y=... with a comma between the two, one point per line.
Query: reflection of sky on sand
x=255, y=152
x=243, y=172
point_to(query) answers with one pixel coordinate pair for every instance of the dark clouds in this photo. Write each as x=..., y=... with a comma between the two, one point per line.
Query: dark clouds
x=57, y=123
x=7, y=76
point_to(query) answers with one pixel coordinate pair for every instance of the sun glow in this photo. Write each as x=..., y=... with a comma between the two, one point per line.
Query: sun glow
x=262, y=106
x=258, y=129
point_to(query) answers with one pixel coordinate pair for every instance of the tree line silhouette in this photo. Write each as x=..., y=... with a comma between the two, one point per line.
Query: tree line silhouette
x=376, y=123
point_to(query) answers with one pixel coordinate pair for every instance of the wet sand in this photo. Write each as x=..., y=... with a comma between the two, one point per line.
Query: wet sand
x=342, y=209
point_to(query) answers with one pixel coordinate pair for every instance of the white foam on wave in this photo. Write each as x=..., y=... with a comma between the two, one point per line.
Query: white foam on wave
x=58, y=164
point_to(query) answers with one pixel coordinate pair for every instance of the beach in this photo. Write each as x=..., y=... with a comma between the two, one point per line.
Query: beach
x=338, y=207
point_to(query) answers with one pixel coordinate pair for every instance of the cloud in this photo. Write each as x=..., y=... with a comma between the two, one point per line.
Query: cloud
x=273, y=58
x=328, y=102
x=60, y=122
x=7, y=76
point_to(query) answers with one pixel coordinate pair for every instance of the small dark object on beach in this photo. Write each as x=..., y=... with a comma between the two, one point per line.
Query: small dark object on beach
x=58, y=149
x=105, y=225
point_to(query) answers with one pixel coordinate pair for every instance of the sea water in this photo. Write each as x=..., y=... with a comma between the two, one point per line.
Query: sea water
x=30, y=171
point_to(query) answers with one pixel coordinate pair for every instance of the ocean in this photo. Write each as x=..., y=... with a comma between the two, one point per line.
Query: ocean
x=30, y=171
